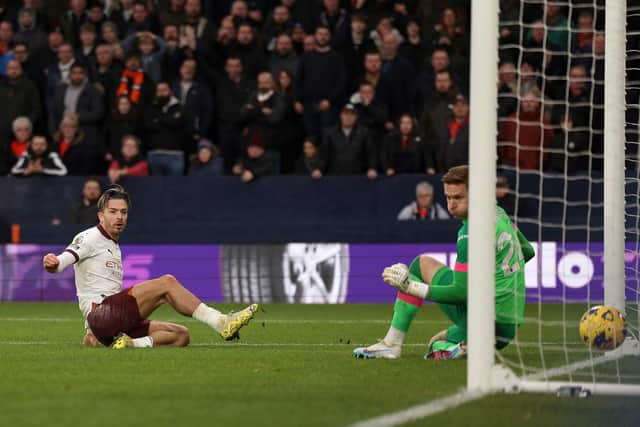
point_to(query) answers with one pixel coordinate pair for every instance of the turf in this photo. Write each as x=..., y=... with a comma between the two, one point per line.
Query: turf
x=293, y=367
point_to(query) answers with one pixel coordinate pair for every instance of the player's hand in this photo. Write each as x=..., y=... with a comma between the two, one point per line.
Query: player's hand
x=50, y=263
x=397, y=276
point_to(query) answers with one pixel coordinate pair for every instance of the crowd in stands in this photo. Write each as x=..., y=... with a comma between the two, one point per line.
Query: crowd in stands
x=313, y=87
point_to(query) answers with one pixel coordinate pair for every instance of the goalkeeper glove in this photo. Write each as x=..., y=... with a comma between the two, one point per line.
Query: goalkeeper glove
x=398, y=276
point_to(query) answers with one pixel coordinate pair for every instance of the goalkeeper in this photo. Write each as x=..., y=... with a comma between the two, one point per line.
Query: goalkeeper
x=427, y=278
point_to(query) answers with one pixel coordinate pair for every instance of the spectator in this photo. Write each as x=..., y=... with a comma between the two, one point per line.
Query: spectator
x=355, y=47
x=81, y=155
x=292, y=132
x=32, y=67
x=123, y=120
x=507, y=90
x=165, y=124
x=254, y=163
x=142, y=20
x=198, y=34
x=454, y=146
x=569, y=148
x=81, y=98
x=6, y=44
x=11, y=152
x=86, y=51
x=232, y=91
x=247, y=49
x=39, y=160
x=109, y=33
x=524, y=137
x=106, y=72
x=298, y=38
x=129, y=162
x=151, y=49
x=401, y=76
x=195, y=97
x=122, y=15
x=207, y=160
x=423, y=207
x=403, y=151
x=450, y=32
x=337, y=20
x=95, y=15
x=22, y=131
x=311, y=162
x=349, y=147
x=283, y=57
x=72, y=19
x=413, y=48
x=50, y=53
x=58, y=73
x=578, y=104
x=262, y=116
x=28, y=31
x=437, y=110
x=173, y=14
x=319, y=84
x=372, y=113
x=383, y=28
x=174, y=55
x=134, y=82
x=558, y=27
x=86, y=210
x=18, y=97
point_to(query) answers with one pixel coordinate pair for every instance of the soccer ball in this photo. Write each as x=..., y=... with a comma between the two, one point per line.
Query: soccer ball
x=602, y=328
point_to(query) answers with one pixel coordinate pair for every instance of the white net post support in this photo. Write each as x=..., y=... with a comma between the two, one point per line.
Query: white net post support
x=614, y=160
x=482, y=196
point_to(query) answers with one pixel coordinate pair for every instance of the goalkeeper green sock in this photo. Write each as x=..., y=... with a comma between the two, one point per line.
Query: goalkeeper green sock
x=404, y=311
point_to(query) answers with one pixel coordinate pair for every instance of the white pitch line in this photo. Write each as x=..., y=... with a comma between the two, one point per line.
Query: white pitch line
x=420, y=411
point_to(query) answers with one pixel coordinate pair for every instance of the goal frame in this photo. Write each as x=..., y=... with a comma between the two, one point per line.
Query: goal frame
x=484, y=375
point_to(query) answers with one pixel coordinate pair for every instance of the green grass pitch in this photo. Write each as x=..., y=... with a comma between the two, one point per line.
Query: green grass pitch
x=293, y=367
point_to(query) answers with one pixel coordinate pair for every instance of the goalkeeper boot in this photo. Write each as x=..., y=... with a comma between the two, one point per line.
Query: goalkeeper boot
x=122, y=341
x=379, y=350
x=446, y=350
x=235, y=321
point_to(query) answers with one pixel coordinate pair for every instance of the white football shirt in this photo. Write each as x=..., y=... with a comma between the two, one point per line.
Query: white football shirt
x=98, y=267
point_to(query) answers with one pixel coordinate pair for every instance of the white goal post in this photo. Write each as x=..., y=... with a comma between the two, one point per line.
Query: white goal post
x=484, y=375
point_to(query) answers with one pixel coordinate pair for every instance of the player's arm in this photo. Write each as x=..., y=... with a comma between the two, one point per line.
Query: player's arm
x=58, y=263
x=455, y=293
x=527, y=249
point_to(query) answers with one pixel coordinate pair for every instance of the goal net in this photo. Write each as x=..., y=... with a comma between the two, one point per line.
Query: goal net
x=568, y=173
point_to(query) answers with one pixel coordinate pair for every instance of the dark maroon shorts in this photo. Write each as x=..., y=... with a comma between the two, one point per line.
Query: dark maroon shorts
x=117, y=313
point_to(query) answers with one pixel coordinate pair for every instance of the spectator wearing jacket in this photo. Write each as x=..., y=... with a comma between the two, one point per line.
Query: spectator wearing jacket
x=39, y=160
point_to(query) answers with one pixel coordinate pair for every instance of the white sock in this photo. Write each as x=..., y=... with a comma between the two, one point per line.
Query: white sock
x=394, y=336
x=210, y=316
x=142, y=342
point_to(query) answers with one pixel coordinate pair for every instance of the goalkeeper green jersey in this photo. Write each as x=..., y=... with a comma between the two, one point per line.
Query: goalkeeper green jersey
x=513, y=250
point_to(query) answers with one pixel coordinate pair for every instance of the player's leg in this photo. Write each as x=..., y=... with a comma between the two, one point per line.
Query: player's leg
x=166, y=289
x=168, y=334
x=424, y=269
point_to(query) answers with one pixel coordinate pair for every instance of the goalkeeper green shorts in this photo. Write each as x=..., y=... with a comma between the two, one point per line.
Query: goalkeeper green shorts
x=457, y=313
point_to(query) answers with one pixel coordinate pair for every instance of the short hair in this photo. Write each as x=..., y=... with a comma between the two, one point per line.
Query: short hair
x=93, y=178
x=114, y=192
x=131, y=137
x=88, y=28
x=457, y=175
x=424, y=187
x=77, y=65
x=22, y=120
